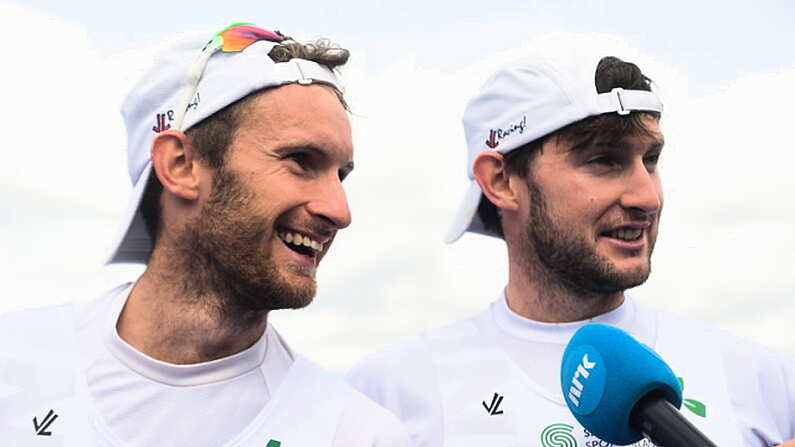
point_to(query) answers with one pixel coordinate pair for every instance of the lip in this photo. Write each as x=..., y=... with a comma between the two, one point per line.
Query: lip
x=314, y=236
x=295, y=257
x=643, y=225
x=620, y=244
x=627, y=245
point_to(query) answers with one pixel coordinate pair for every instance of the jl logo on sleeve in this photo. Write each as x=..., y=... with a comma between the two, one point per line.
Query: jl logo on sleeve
x=494, y=408
x=41, y=429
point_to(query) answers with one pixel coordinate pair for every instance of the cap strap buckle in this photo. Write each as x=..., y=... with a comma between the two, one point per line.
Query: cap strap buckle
x=621, y=109
x=624, y=101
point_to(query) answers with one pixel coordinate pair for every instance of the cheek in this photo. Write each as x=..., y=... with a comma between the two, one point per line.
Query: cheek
x=580, y=204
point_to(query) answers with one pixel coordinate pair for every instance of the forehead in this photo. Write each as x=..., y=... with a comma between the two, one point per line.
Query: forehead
x=298, y=115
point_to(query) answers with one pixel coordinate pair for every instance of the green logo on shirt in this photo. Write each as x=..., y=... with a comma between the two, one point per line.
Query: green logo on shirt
x=558, y=435
x=696, y=407
x=273, y=443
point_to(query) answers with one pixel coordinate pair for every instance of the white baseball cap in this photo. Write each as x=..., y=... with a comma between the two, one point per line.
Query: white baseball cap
x=528, y=99
x=197, y=78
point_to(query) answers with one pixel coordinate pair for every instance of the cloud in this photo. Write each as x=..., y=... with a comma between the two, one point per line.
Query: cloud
x=727, y=239
x=724, y=248
x=63, y=180
x=723, y=252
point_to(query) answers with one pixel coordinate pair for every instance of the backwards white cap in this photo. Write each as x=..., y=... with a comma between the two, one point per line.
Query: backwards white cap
x=527, y=100
x=154, y=103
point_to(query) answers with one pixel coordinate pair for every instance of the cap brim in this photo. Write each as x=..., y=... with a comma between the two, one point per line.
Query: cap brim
x=466, y=218
x=132, y=243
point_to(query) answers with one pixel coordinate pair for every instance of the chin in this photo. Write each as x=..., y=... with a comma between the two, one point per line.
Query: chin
x=635, y=276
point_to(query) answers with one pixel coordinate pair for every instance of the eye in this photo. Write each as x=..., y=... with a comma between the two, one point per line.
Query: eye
x=651, y=160
x=604, y=160
x=302, y=159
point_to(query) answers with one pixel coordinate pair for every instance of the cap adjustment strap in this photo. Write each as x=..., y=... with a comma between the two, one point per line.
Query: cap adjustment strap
x=624, y=101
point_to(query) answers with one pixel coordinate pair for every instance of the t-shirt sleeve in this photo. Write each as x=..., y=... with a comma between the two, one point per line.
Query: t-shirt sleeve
x=762, y=387
x=401, y=379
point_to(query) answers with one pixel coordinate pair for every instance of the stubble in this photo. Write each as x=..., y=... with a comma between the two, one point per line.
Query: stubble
x=559, y=258
x=225, y=261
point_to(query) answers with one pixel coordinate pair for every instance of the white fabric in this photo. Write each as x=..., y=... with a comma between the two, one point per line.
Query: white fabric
x=228, y=392
x=69, y=359
x=439, y=383
x=528, y=99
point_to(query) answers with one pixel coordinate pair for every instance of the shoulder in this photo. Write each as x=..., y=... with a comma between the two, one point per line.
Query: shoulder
x=760, y=381
x=761, y=384
x=35, y=328
x=402, y=377
x=47, y=334
x=393, y=361
x=399, y=376
x=743, y=359
x=412, y=356
x=76, y=312
x=364, y=423
x=359, y=422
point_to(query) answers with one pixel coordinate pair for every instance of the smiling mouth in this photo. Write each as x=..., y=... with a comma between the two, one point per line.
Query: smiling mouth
x=301, y=243
x=625, y=234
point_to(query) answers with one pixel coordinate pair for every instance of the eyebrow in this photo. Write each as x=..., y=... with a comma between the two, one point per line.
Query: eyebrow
x=656, y=145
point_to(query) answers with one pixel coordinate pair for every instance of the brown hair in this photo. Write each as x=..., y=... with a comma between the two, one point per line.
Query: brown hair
x=213, y=136
x=608, y=128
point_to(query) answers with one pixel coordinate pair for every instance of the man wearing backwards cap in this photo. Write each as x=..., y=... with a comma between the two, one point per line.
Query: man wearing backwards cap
x=563, y=161
x=237, y=152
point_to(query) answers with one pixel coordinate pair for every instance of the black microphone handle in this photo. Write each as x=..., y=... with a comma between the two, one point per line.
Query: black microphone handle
x=664, y=425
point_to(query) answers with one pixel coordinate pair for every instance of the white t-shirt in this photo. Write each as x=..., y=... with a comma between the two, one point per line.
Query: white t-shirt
x=494, y=380
x=68, y=368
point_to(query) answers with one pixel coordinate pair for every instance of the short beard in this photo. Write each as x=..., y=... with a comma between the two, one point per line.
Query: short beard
x=562, y=259
x=225, y=260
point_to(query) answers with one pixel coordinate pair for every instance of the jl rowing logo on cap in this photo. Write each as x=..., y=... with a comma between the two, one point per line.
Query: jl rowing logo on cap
x=163, y=121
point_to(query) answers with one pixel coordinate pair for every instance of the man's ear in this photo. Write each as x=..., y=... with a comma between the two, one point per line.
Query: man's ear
x=494, y=180
x=173, y=162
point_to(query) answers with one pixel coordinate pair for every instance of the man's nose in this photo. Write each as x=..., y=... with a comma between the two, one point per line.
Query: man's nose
x=643, y=190
x=331, y=204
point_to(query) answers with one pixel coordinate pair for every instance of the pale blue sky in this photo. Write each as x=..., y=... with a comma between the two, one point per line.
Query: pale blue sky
x=714, y=42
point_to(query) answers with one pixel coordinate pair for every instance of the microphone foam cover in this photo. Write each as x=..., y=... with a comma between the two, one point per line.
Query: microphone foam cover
x=604, y=373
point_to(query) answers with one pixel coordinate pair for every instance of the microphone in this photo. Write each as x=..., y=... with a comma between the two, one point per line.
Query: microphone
x=621, y=390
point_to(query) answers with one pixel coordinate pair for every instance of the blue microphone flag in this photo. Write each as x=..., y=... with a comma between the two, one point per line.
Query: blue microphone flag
x=604, y=373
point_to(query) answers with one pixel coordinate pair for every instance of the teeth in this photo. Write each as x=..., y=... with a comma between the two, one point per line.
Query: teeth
x=626, y=234
x=299, y=239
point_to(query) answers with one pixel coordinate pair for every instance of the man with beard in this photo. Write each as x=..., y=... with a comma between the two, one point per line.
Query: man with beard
x=237, y=151
x=563, y=161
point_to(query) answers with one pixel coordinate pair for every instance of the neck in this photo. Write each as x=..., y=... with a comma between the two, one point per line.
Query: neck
x=535, y=293
x=169, y=317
